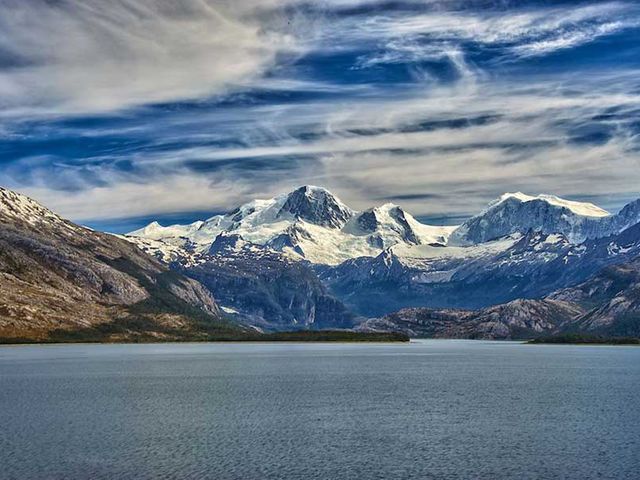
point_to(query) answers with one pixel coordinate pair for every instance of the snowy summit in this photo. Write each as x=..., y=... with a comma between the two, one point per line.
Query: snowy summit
x=313, y=224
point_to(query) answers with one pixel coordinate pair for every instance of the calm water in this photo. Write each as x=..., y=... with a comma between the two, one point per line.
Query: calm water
x=435, y=409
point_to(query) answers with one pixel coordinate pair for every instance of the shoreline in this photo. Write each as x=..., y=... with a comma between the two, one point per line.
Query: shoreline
x=582, y=339
x=212, y=342
x=329, y=336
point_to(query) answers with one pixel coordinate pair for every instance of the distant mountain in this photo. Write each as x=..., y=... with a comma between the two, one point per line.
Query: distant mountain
x=256, y=285
x=608, y=304
x=276, y=265
x=519, y=247
x=382, y=260
x=311, y=223
x=61, y=281
x=519, y=319
x=315, y=205
x=547, y=214
x=529, y=265
x=611, y=300
x=308, y=223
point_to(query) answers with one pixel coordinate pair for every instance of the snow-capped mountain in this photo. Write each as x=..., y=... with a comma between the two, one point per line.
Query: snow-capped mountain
x=309, y=223
x=317, y=206
x=519, y=213
x=155, y=231
x=382, y=259
x=267, y=289
x=306, y=260
x=15, y=207
x=607, y=303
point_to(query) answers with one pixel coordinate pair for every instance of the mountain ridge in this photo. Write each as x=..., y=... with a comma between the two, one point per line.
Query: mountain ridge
x=60, y=280
x=312, y=224
x=607, y=304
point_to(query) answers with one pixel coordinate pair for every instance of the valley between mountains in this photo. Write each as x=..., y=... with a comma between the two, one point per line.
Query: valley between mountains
x=524, y=267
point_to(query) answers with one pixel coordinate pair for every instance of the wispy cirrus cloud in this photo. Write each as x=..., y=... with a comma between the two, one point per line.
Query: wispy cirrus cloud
x=202, y=105
x=558, y=26
x=91, y=56
x=545, y=136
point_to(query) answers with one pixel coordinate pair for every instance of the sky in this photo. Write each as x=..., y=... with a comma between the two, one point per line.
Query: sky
x=121, y=112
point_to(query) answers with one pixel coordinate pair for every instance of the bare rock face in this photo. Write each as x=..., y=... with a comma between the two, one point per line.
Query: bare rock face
x=419, y=322
x=519, y=319
x=193, y=293
x=316, y=205
x=611, y=300
x=267, y=290
x=408, y=235
x=225, y=243
x=58, y=279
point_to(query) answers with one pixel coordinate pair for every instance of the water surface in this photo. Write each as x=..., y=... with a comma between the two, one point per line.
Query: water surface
x=426, y=410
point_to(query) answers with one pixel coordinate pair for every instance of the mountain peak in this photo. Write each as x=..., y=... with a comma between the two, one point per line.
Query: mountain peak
x=310, y=189
x=316, y=205
x=584, y=209
x=387, y=206
x=518, y=213
x=226, y=242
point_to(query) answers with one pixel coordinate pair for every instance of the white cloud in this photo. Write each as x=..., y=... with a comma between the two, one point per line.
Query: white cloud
x=126, y=54
x=527, y=147
x=94, y=55
x=124, y=199
x=569, y=39
x=529, y=32
x=73, y=56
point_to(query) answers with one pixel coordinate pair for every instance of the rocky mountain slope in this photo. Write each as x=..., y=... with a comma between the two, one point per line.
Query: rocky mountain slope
x=61, y=281
x=255, y=285
x=517, y=212
x=267, y=289
x=519, y=319
x=611, y=300
x=606, y=304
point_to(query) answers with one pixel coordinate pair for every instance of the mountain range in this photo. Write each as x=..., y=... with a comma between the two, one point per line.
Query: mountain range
x=308, y=223
x=522, y=267
x=311, y=223
x=381, y=260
